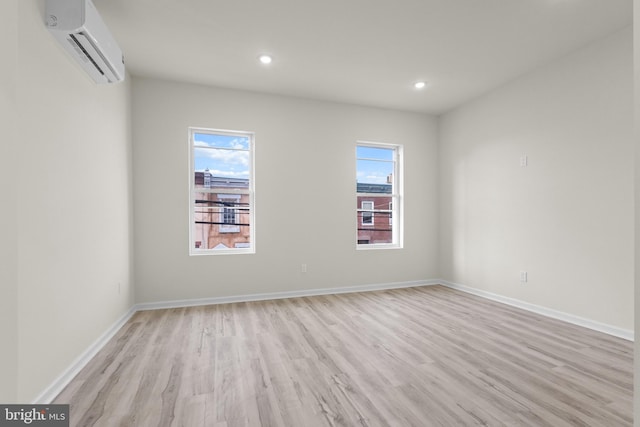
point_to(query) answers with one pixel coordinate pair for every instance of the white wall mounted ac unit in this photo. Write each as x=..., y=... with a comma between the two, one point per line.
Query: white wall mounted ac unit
x=77, y=25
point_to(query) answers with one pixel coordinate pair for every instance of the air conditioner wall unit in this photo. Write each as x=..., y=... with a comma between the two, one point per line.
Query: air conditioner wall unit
x=77, y=25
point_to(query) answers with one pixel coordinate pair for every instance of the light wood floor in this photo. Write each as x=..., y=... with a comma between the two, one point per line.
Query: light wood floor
x=427, y=356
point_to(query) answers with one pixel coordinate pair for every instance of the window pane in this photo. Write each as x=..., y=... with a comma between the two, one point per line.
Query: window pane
x=221, y=221
x=374, y=224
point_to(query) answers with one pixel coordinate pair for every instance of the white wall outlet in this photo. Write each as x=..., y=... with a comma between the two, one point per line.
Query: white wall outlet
x=524, y=160
x=303, y=268
x=523, y=276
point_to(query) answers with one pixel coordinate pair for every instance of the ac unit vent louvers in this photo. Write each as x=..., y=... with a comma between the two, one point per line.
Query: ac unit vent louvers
x=77, y=25
x=91, y=54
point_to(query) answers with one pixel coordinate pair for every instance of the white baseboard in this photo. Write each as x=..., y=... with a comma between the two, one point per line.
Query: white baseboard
x=81, y=361
x=548, y=312
x=282, y=295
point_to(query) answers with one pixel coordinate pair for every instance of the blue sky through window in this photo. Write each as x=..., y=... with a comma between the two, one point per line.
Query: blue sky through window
x=223, y=155
x=374, y=164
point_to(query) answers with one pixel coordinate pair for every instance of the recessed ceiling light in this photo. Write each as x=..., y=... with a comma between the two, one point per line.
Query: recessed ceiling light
x=265, y=59
x=419, y=85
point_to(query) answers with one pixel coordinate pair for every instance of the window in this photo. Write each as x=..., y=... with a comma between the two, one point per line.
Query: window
x=229, y=216
x=221, y=192
x=367, y=213
x=379, y=195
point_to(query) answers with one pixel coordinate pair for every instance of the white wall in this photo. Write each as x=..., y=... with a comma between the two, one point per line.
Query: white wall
x=305, y=193
x=8, y=204
x=567, y=218
x=73, y=178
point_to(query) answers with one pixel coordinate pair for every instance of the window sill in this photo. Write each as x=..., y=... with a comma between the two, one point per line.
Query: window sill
x=376, y=246
x=196, y=252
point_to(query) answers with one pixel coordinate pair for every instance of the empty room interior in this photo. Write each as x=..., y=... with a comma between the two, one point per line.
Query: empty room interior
x=323, y=213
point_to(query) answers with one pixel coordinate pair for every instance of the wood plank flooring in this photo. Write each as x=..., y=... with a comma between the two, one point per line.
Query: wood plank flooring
x=428, y=356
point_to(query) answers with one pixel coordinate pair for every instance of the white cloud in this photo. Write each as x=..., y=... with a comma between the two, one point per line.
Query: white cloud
x=227, y=157
x=239, y=144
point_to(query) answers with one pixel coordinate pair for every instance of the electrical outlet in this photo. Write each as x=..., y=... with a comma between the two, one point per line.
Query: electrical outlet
x=524, y=160
x=523, y=276
x=303, y=268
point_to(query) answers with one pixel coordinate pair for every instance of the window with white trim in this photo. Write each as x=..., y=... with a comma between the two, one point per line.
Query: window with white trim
x=221, y=192
x=378, y=195
x=229, y=214
x=367, y=213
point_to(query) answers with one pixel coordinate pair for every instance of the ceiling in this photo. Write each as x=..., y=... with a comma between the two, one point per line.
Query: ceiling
x=365, y=52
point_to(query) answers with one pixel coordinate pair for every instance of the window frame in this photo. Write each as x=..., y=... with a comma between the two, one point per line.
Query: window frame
x=229, y=192
x=396, y=219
